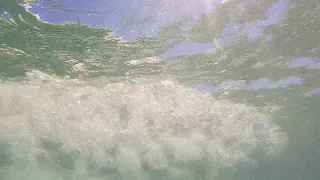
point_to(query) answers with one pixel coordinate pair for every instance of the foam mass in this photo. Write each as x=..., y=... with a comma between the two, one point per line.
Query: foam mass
x=55, y=128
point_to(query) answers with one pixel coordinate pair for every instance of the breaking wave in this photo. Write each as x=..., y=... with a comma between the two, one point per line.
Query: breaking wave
x=54, y=128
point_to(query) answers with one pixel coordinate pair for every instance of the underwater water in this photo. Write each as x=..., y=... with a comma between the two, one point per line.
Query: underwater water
x=221, y=90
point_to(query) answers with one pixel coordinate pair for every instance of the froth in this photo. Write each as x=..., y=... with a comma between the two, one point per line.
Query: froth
x=125, y=130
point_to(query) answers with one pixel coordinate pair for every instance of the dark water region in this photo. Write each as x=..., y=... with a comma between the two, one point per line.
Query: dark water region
x=160, y=89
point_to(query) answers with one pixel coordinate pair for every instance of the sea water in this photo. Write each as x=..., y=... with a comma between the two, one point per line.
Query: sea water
x=78, y=102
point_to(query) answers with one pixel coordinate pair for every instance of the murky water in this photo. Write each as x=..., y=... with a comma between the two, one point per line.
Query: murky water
x=220, y=90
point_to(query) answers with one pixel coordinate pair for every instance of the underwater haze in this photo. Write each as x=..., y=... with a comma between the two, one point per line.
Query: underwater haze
x=160, y=90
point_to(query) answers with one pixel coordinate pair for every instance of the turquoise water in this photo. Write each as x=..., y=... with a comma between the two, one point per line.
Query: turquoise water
x=203, y=97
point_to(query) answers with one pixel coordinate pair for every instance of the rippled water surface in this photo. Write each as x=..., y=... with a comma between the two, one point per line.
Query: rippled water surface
x=145, y=89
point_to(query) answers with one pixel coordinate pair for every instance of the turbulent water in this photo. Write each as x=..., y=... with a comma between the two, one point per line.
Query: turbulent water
x=78, y=102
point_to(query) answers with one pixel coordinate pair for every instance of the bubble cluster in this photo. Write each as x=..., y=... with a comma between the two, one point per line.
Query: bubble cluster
x=54, y=128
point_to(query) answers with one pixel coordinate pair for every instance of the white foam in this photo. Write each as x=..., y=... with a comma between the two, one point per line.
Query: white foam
x=125, y=130
x=147, y=60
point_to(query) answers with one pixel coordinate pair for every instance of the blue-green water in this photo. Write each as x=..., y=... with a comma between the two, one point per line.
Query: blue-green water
x=78, y=102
